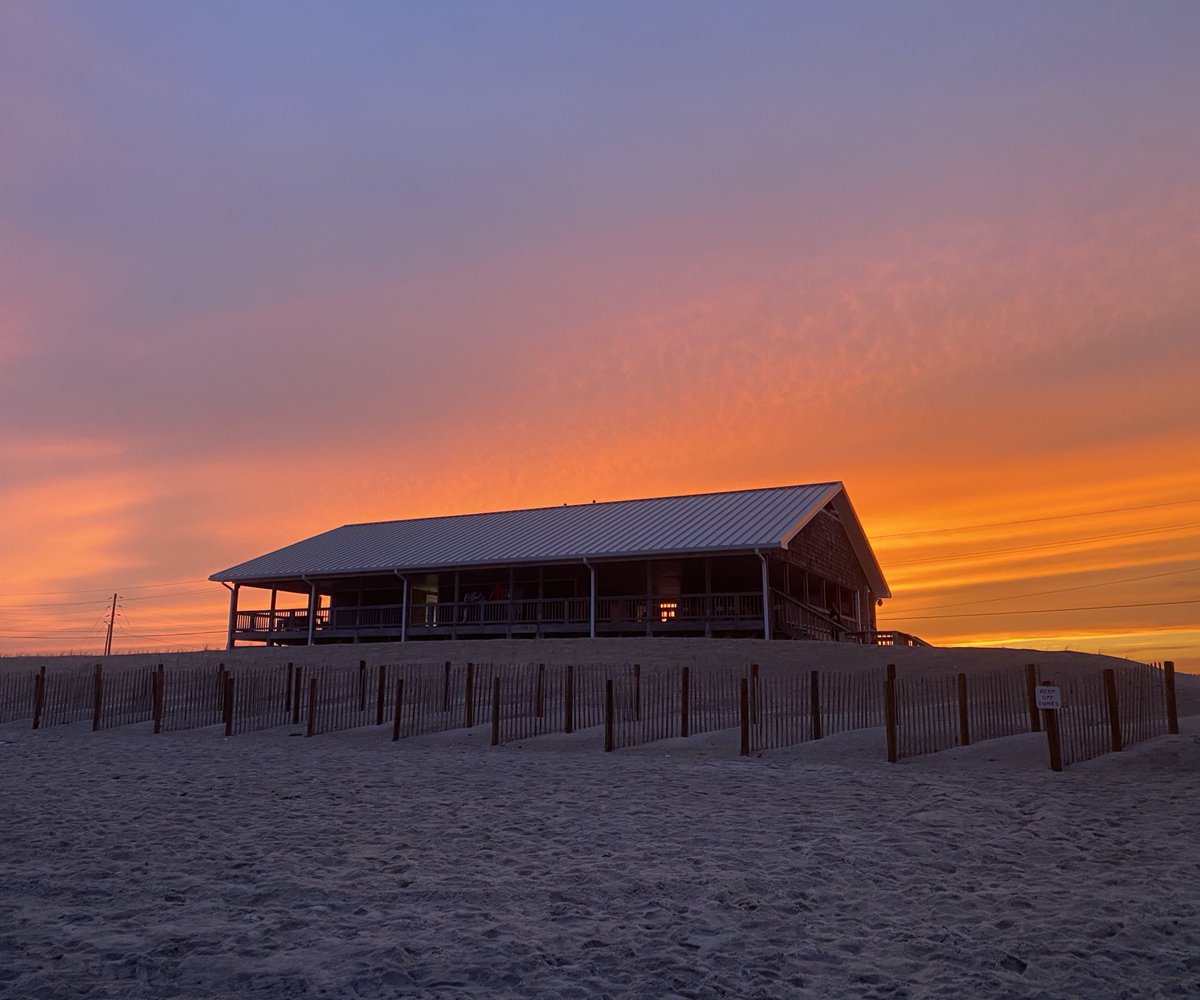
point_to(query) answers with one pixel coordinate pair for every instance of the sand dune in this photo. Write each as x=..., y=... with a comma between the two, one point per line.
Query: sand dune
x=189, y=865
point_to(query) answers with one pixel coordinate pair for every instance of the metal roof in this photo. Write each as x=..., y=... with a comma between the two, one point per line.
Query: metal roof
x=686, y=525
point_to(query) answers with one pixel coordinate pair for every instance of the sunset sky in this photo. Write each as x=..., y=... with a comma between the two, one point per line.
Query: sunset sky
x=268, y=268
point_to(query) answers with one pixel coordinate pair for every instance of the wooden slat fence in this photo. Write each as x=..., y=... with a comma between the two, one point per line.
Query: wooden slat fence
x=70, y=696
x=791, y=708
x=647, y=706
x=713, y=696
x=265, y=697
x=532, y=701
x=193, y=698
x=926, y=714
x=1083, y=721
x=942, y=711
x=850, y=701
x=1141, y=697
x=998, y=704
x=537, y=699
x=16, y=694
x=127, y=696
x=671, y=702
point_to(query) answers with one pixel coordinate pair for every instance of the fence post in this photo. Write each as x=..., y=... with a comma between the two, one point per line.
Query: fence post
x=287, y=701
x=1053, y=740
x=1035, y=717
x=1172, y=705
x=608, y=715
x=569, y=701
x=39, y=696
x=539, y=694
x=637, y=692
x=744, y=716
x=964, y=714
x=470, y=711
x=889, y=711
x=312, y=706
x=1114, y=709
x=446, y=688
x=160, y=688
x=97, y=696
x=814, y=702
x=754, y=689
x=227, y=705
x=362, y=685
x=685, y=683
x=399, y=704
x=495, y=711
x=382, y=694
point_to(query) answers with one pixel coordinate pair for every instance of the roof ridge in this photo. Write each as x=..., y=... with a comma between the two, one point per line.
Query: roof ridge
x=593, y=503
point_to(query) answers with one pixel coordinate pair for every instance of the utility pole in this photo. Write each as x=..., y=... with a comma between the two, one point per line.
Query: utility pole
x=112, y=617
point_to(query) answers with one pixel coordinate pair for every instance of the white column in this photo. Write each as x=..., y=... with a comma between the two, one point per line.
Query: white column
x=271, y=617
x=404, y=614
x=766, y=592
x=592, y=602
x=233, y=610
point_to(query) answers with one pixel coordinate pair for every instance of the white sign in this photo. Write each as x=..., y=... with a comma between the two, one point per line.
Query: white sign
x=1049, y=696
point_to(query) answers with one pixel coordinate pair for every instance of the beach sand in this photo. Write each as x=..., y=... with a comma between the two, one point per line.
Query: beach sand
x=190, y=865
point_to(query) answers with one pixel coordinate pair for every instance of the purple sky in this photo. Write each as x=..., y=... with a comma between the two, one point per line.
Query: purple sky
x=271, y=267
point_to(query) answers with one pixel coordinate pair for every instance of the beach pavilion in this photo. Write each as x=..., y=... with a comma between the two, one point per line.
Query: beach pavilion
x=784, y=562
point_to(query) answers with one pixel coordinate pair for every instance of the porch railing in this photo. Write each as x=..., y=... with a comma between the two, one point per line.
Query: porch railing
x=640, y=610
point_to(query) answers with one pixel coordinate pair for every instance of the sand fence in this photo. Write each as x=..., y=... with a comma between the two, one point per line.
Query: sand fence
x=1098, y=712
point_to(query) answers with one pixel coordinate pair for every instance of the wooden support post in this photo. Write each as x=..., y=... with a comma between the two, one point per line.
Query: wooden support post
x=889, y=712
x=227, y=705
x=814, y=702
x=964, y=713
x=1050, y=722
x=539, y=695
x=685, y=684
x=160, y=697
x=1114, y=709
x=362, y=685
x=637, y=692
x=569, y=700
x=296, y=697
x=39, y=697
x=495, y=711
x=312, y=706
x=97, y=696
x=382, y=697
x=1172, y=705
x=744, y=716
x=1035, y=717
x=399, y=706
x=608, y=716
x=470, y=710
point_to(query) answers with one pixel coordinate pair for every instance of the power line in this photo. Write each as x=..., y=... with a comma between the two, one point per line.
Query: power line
x=1060, y=590
x=103, y=590
x=1047, y=611
x=1043, y=545
x=1035, y=520
x=59, y=604
x=212, y=592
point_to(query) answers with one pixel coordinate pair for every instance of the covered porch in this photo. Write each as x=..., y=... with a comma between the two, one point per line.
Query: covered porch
x=738, y=595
